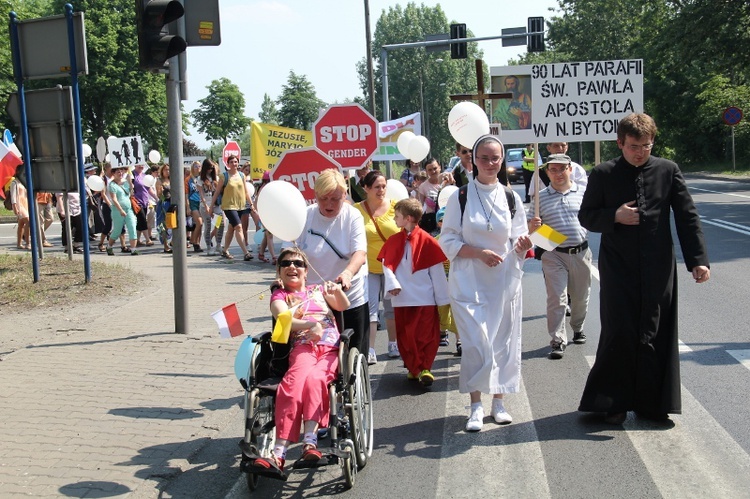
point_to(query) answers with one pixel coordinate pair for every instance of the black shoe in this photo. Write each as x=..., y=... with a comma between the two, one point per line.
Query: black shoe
x=558, y=349
x=197, y=248
x=458, y=348
x=652, y=416
x=527, y=200
x=615, y=417
x=579, y=338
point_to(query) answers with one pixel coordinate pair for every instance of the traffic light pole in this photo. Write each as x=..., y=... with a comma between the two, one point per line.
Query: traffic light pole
x=177, y=179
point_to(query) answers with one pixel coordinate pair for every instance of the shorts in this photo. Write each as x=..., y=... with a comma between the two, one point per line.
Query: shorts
x=195, y=205
x=233, y=217
x=375, y=291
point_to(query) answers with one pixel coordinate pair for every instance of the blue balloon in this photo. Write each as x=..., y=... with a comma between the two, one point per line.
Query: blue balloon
x=259, y=236
x=7, y=137
x=244, y=356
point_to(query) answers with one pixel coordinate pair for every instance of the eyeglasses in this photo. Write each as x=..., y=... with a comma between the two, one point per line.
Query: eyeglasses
x=639, y=147
x=300, y=264
x=465, y=151
x=488, y=159
x=556, y=171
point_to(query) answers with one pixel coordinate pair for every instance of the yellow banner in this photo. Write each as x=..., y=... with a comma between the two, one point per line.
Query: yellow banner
x=268, y=143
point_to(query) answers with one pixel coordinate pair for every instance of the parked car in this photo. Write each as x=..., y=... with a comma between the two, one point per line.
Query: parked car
x=514, y=164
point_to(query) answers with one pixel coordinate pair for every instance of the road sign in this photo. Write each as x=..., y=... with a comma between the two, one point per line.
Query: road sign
x=126, y=151
x=347, y=133
x=301, y=167
x=231, y=149
x=732, y=115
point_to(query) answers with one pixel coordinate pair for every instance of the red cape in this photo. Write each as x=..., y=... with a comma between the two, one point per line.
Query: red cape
x=425, y=250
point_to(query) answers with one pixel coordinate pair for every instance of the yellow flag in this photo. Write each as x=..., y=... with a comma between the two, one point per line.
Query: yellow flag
x=283, y=327
x=548, y=238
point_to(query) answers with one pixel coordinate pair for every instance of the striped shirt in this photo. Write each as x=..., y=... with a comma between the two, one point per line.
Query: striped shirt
x=560, y=211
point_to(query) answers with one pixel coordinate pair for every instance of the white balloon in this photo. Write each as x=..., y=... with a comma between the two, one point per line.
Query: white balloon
x=445, y=193
x=467, y=122
x=250, y=188
x=282, y=210
x=395, y=190
x=403, y=142
x=95, y=183
x=154, y=156
x=106, y=158
x=149, y=180
x=86, y=150
x=419, y=148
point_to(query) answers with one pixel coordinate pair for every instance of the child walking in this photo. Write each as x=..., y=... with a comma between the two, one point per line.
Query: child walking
x=415, y=282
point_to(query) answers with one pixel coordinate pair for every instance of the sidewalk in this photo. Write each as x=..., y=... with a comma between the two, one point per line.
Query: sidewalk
x=106, y=400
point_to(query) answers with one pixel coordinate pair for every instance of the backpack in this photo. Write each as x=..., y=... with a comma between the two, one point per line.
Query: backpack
x=508, y=195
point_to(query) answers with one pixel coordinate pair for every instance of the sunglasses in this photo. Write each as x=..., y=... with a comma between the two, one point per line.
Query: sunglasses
x=300, y=264
x=465, y=151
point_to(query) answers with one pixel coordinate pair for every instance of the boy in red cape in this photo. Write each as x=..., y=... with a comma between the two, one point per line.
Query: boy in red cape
x=415, y=282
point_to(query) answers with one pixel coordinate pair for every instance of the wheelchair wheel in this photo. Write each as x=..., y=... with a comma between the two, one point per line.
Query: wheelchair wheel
x=260, y=437
x=350, y=470
x=360, y=407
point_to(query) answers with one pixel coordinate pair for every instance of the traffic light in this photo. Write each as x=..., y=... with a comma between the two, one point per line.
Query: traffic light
x=458, y=50
x=535, y=43
x=155, y=44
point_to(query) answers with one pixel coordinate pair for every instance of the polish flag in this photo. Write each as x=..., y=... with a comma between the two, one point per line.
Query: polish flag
x=229, y=322
x=9, y=160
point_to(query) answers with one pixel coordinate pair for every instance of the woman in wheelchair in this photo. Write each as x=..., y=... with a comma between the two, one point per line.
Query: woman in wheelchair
x=302, y=395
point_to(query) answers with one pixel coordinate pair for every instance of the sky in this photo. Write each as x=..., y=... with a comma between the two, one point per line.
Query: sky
x=263, y=40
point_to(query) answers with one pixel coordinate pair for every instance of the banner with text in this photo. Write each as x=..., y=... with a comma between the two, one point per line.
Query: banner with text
x=388, y=132
x=574, y=101
x=269, y=142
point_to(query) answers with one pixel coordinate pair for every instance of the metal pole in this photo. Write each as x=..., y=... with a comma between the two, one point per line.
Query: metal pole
x=386, y=106
x=78, y=143
x=177, y=179
x=26, y=148
x=734, y=165
x=370, y=72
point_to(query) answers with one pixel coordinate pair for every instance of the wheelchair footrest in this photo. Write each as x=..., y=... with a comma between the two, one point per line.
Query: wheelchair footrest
x=330, y=456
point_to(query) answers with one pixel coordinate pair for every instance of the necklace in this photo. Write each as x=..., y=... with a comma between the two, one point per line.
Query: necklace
x=481, y=203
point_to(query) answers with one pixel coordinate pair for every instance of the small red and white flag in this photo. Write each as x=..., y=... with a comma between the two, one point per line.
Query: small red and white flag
x=8, y=162
x=229, y=322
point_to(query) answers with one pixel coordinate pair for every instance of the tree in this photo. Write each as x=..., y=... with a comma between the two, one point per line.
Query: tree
x=268, y=112
x=299, y=103
x=220, y=115
x=190, y=148
x=419, y=81
x=116, y=97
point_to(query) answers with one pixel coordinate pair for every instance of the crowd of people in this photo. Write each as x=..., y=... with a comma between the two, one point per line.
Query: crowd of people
x=361, y=252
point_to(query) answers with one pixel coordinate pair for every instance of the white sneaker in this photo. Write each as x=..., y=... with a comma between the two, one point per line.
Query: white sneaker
x=476, y=419
x=372, y=357
x=499, y=414
x=393, y=350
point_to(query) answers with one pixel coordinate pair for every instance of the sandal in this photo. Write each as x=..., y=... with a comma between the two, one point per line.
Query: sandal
x=262, y=258
x=225, y=254
x=248, y=257
x=272, y=467
x=311, y=453
x=102, y=248
x=273, y=261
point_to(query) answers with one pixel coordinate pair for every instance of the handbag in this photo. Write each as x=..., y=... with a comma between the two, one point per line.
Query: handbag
x=374, y=222
x=170, y=218
x=136, y=206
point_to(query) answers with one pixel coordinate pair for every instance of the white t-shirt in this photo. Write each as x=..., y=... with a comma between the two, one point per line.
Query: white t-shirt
x=346, y=232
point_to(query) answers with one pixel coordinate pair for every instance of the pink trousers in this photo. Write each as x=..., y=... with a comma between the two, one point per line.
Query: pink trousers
x=303, y=392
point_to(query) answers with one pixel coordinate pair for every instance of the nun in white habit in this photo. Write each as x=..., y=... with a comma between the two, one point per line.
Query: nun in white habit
x=486, y=248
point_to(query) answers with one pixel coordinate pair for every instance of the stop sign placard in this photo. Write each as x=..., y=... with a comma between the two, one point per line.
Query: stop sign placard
x=231, y=149
x=347, y=133
x=301, y=167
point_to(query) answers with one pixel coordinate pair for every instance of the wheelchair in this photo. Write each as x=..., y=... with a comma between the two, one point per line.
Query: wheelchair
x=350, y=402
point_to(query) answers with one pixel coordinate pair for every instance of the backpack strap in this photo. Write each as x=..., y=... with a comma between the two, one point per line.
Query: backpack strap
x=462, y=193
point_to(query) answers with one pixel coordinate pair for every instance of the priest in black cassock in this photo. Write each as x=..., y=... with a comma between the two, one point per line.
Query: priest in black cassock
x=630, y=200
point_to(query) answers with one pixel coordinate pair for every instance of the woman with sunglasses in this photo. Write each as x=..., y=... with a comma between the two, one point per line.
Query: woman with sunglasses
x=302, y=396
